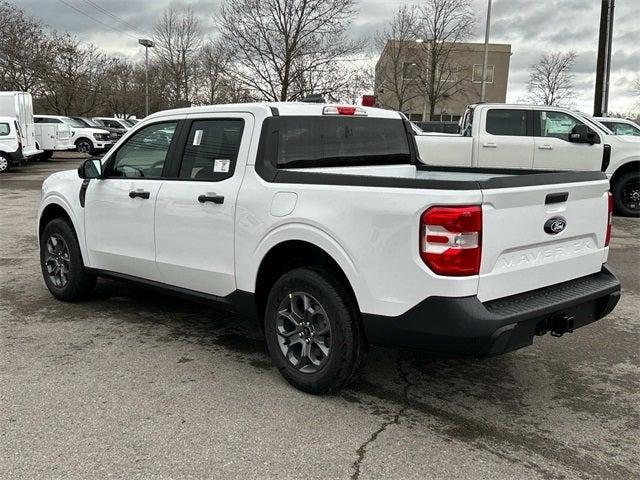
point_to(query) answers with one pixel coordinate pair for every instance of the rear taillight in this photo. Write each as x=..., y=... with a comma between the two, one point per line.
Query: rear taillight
x=607, y=237
x=451, y=240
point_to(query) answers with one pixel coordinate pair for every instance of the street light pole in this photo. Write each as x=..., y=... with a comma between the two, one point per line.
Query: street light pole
x=486, y=53
x=146, y=44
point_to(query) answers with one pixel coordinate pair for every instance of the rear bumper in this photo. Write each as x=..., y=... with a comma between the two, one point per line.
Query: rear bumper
x=466, y=326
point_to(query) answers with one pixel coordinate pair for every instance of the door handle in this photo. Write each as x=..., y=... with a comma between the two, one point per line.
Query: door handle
x=545, y=147
x=490, y=145
x=139, y=194
x=211, y=198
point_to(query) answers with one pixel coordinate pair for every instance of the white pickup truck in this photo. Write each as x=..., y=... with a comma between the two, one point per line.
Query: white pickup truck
x=540, y=137
x=319, y=223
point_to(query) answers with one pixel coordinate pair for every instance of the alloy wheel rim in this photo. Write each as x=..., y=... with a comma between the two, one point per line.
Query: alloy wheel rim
x=304, y=332
x=83, y=147
x=4, y=164
x=631, y=194
x=57, y=260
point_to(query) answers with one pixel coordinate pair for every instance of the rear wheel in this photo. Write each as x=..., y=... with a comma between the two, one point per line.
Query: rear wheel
x=313, y=331
x=4, y=163
x=626, y=194
x=61, y=262
x=85, y=146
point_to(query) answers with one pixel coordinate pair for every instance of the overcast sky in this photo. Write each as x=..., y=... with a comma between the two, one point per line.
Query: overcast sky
x=530, y=26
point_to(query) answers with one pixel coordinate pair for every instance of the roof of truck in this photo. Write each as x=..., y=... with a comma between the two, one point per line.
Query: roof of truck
x=283, y=109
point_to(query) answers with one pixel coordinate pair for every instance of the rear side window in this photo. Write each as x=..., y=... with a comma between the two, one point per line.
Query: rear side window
x=4, y=129
x=507, y=122
x=212, y=149
x=307, y=142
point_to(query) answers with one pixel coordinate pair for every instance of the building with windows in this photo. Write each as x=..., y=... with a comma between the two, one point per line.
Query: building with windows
x=404, y=80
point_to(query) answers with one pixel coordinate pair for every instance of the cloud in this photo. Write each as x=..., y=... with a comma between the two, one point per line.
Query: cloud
x=532, y=27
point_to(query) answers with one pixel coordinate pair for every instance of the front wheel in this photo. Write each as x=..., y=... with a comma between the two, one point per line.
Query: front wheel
x=61, y=262
x=626, y=194
x=85, y=146
x=313, y=331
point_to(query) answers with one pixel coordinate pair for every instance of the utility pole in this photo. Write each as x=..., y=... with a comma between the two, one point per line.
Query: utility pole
x=603, y=68
x=486, y=53
x=147, y=44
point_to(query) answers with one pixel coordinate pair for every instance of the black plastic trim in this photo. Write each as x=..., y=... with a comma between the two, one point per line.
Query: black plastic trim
x=556, y=198
x=465, y=326
x=83, y=191
x=239, y=301
x=606, y=157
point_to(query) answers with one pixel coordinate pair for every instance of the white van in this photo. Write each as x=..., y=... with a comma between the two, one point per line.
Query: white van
x=53, y=137
x=19, y=106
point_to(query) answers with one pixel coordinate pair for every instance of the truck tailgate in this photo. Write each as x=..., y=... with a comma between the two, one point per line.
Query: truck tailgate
x=524, y=246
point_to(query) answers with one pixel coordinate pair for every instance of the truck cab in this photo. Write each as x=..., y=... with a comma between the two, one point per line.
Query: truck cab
x=10, y=144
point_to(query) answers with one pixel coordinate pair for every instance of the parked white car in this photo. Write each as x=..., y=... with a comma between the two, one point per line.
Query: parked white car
x=540, y=137
x=317, y=222
x=113, y=122
x=620, y=126
x=86, y=139
x=19, y=106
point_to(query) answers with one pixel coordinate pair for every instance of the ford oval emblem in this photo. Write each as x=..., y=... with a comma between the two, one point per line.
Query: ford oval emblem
x=555, y=225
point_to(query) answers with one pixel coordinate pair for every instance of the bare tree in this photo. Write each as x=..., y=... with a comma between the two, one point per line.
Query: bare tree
x=178, y=39
x=213, y=75
x=551, y=80
x=444, y=25
x=25, y=48
x=636, y=91
x=397, y=47
x=285, y=48
x=75, y=80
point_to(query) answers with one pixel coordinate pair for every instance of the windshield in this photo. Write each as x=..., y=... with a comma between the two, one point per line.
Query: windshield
x=128, y=123
x=329, y=141
x=72, y=122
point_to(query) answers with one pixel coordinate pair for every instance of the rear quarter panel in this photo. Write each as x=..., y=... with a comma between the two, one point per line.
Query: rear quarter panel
x=371, y=232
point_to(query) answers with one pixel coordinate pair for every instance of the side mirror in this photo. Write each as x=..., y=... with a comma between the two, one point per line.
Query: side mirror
x=583, y=134
x=91, y=168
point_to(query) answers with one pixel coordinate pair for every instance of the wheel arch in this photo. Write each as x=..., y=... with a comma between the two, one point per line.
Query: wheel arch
x=288, y=255
x=633, y=165
x=83, y=137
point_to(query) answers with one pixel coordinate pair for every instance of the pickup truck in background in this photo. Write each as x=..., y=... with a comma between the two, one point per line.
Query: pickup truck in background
x=319, y=223
x=88, y=140
x=540, y=137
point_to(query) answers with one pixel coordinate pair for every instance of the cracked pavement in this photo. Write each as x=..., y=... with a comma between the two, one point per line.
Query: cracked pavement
x=133, y=384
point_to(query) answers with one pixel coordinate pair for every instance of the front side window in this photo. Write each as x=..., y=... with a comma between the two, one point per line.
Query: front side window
x=46, y=120
x=557, y=124
x=212, y=149
x=4, y=129
x=144, y=154
x=341, y=141
x=507, y=122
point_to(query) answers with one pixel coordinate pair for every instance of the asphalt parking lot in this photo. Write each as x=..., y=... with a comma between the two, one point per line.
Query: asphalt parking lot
x=132, y=384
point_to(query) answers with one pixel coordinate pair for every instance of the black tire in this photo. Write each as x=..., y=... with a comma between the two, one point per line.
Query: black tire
x=347, y=344
x=626, y=194
x=85, y=146
x=5, y=163
x=78, y=281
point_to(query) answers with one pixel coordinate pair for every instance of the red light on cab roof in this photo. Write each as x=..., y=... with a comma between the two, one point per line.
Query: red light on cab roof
x=343, y=110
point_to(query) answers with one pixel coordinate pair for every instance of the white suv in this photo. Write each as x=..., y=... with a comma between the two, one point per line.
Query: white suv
x=86, y=139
